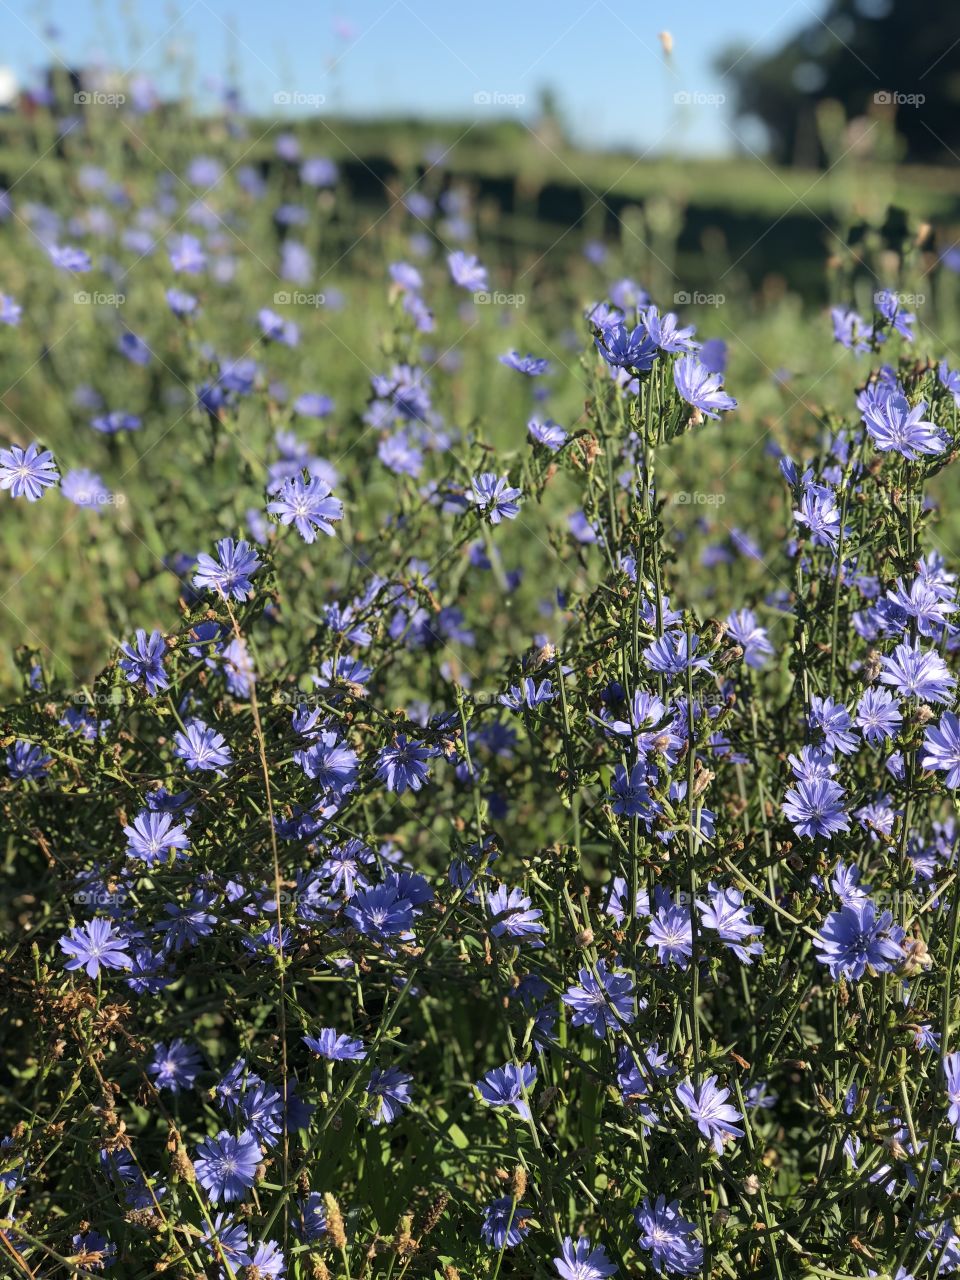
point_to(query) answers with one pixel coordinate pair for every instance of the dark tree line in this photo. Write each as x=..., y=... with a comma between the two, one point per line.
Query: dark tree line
x=899, y=58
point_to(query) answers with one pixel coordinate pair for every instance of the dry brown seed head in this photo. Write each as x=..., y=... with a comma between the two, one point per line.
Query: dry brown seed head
x=335, y=1228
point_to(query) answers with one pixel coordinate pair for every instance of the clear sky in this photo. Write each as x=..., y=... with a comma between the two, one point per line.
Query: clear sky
x=602, y=58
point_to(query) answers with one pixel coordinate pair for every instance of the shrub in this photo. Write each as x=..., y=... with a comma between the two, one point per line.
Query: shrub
x=356, y=941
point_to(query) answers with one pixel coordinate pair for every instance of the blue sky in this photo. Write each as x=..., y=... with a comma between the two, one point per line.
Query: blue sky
x=429, y=57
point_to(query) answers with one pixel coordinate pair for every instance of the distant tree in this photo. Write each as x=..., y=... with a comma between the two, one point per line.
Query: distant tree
x=898, y=59
x=550, y=125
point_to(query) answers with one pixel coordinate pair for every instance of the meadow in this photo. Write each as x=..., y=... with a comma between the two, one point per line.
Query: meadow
x=478, y=712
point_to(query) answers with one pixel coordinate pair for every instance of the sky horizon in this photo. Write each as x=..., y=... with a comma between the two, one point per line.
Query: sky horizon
x=602, y=59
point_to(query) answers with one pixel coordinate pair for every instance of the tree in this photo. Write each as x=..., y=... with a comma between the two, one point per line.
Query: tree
x=893, y=59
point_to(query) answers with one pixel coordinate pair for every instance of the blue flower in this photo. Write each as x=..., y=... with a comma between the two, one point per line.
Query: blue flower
x=109, y=424
x=726, y=914
x=154, y=838
x=329, y=1043
x=669, y=1238
x=466, y=271
x=549, y=434
x=951, y=1073
x=950, y=380
x=175, y=1066
x=232, y=1084
x=92, y=1250
x=671, y=656
x=579, y=1262
x=507, y=1086
x=833, y=721
x=505, y=1223
x=134, y=348
x=265, y=1259
x=851, y=330
x=229, y=575
x=403, y=764
x=815, y=807
x=319, y=171
x=941, y=745
x=630, y=793
x=751, y=637
x=701, y=388
x=262, y=1108
x=603, y=1001
x=888, y=305
x=405, y=276
x=916, y=674
x=186, y=923
x=69, y=258
x=27, y=473
x=276, y=329
x=672, y=935
x=143, y=660
x=527, y=694
x=313, y=405
x=649, y=725
x=226, y=1166
x=511, y=914
x=238, y=667
x=665, y=331
x=493, y=494
x=93, y=946
x=894, y=426
x=26, y=761
x=926, y=1037
x=713, y=355
x=187, y=255
x=532, y=366
x=878, y=716
x=309, y=505
x=380, y=912
x=707, y=1107
x=634, y=1080
x=85, y=489
x=927, y=601
x=818, y=510
x=83, y=721
x=625, y=348
x=855, y=937
x=388, y=1092
x=181, y=303
x=345, y=867
x=310, y=1219
x=759, y=1097
x=626, y=293
x=330, y=761
x=202, y=748
x=10, y=311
